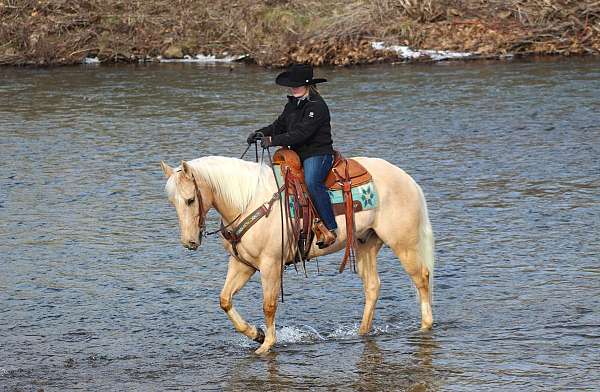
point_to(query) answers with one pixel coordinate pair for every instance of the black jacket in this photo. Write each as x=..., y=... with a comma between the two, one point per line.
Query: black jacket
x=304, y=125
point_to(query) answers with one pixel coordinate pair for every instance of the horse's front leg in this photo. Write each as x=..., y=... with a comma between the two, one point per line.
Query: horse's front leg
x=237, y=276
x=270, y=278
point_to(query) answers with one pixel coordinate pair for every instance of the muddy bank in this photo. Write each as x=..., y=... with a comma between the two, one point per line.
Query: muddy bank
x=278, y=32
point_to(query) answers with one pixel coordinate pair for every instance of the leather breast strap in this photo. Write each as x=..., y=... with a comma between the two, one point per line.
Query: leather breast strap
x=234, y=236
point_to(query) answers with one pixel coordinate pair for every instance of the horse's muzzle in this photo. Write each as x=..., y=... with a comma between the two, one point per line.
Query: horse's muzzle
x=191, y=245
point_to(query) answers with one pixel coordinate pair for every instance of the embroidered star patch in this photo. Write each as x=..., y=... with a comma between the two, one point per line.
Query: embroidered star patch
x=367, y=196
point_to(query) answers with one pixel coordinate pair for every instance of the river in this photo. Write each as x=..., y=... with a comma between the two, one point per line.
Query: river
x=96, y=293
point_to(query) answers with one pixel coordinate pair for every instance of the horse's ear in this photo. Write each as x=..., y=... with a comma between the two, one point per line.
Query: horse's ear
x=187, y=170
x=168, y=170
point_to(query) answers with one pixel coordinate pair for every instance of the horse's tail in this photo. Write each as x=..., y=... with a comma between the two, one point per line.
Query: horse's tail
x=426, y=247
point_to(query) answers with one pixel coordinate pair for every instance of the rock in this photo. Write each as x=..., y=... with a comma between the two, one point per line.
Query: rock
x=173, y=52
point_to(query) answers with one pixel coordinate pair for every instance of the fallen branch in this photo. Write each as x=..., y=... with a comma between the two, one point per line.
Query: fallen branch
x=82, y=50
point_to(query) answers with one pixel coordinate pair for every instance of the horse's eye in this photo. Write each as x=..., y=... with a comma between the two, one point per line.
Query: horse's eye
x=189, y=201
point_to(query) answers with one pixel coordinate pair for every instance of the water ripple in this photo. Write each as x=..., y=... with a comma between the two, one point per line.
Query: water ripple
x=97, y=294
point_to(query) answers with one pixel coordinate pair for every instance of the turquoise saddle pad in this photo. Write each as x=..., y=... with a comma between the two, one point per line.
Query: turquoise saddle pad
x=366, y=194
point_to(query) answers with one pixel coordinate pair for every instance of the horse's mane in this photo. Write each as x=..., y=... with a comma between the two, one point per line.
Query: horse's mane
x=234, y=180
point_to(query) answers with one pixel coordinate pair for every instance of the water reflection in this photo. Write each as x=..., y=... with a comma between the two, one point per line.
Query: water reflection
x=257, y=373
x=381, y=371
x=380, y=365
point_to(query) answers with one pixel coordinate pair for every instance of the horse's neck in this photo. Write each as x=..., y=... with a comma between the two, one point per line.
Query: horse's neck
x=222, y=200
x=227, y=211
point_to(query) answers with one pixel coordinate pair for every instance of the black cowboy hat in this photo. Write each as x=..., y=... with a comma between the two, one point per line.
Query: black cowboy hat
x=298, y=75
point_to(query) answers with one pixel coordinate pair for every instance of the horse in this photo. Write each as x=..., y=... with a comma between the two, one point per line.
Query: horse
x=236, y=188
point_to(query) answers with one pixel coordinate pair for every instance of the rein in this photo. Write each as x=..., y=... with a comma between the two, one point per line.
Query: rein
x=234, y=236
x=220, y=229
x=281, y=201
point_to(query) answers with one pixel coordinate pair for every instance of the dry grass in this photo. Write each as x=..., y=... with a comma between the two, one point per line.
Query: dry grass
x=277, y=32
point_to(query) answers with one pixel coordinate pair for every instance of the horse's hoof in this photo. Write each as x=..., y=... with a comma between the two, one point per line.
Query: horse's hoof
x=260, y=336
x=261, y=350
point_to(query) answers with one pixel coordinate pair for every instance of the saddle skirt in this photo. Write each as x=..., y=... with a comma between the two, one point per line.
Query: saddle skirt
x=346, y=169
x=350, y=188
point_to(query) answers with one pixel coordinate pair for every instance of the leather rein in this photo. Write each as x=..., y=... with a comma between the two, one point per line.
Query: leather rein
x=234, y=236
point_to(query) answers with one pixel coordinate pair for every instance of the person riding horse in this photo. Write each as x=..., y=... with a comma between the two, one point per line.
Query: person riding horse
x=305, y=127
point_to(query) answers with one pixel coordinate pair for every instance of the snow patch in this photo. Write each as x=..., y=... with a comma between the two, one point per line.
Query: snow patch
x=406, y=52
x=91, y=60
x=200, y=58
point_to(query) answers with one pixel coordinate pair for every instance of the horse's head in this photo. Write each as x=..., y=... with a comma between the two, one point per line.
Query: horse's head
x=191, y=198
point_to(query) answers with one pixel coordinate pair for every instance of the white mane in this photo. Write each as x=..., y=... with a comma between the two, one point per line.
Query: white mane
x=233, y=180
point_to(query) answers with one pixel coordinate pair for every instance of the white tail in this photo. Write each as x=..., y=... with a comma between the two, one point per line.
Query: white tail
x=426, y=243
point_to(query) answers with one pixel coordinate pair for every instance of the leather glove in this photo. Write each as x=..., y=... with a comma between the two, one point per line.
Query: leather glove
x=251, y=138
x=265, y=142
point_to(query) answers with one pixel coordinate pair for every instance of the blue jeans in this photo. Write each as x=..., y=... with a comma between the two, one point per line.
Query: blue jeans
x=316, y=169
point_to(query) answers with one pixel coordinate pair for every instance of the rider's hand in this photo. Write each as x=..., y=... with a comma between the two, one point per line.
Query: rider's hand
x=251, y=138
x=265, y=141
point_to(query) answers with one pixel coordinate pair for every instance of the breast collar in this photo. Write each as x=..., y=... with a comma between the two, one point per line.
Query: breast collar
x=233, y=234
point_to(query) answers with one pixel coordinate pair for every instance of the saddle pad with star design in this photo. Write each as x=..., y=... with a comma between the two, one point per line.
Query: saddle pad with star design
x=364, y=197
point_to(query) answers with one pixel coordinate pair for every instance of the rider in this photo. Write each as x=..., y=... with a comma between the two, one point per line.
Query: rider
x=305, y=126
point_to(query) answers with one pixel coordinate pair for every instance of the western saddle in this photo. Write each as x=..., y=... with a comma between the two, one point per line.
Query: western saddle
x=305, y=222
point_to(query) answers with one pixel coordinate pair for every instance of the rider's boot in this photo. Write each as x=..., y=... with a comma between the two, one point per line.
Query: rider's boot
x=325, y=237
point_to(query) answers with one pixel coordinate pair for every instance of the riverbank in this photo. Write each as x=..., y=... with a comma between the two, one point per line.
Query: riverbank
x=279, y=32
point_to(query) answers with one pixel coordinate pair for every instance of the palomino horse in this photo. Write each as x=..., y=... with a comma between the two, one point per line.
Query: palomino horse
x=233, y=187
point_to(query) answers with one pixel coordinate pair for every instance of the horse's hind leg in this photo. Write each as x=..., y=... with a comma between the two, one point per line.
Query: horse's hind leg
x=237, y=276
x=416, y=268
x=367, y=269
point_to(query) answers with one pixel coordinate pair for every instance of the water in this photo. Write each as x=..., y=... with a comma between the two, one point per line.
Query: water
x=97, y=294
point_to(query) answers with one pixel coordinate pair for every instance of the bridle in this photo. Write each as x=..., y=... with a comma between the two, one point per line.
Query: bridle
x=201, y=216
